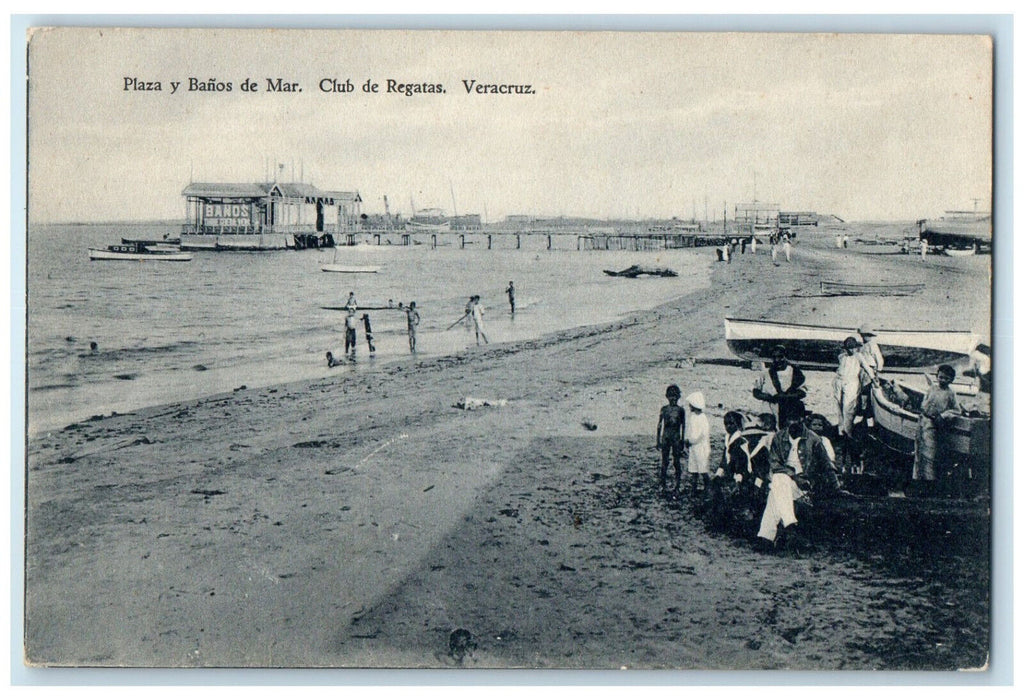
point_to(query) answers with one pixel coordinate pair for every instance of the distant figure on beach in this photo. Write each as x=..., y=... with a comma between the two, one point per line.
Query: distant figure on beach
x=698, y=443
x=669, y=436
x=753, y=243
x=511, y=291
x=924, y=248
x=412, y=318
x=732, y=245
x=477, y=314
x=351, y=304
x=93, y=347
x=391, y=304
x=369, y=333
x=350, y=332
x=938, y=408
x=743, y=245
x=799, y=463
x=846, y=240
x=331, y=362
x=774, y=250
x=839, y=240
x=781, y=384
x=786, y=247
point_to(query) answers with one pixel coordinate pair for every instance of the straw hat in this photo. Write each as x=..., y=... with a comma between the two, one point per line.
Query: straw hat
x=696, y=400
x=866, y=330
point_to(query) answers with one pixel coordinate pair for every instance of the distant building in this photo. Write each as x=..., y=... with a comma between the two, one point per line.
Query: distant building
x=797, y=218
x=265, y=216
x=466, y=222
x=757, y=215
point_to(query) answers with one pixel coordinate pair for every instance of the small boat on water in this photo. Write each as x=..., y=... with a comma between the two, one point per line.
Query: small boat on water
x=897, y=412
x=137, y=251
x=848, y=289
x=819, y=346
x=349, y=269
x=634, y=271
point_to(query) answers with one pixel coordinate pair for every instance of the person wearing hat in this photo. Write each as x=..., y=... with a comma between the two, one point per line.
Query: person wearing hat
x=872, y=354
x=798, y=464
x=669, y=436
x=872, y=367
x=846, y=389
x=698, y=441
x=781, y=384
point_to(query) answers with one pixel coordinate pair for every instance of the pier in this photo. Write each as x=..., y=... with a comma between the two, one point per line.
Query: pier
x=546, y=239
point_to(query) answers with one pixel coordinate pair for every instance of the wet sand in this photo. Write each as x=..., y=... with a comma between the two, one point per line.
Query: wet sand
x=358, y=520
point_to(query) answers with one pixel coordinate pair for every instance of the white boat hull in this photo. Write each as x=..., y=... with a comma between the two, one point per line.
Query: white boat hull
x=97, y=254
x=820, y=345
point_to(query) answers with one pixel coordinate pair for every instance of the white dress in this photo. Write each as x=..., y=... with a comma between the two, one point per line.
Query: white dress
x=698, y=437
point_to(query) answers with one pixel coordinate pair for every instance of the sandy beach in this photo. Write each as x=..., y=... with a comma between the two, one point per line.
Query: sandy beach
x=358, y=519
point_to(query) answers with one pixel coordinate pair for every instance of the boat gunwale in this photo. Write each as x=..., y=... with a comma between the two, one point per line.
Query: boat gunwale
x=846, y=329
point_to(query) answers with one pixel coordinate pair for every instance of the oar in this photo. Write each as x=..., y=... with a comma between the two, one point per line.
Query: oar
x=457, y=322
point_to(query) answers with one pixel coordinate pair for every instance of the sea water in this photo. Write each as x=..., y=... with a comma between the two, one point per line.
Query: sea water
x=174, y=331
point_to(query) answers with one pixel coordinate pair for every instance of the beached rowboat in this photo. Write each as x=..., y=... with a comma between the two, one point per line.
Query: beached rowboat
x=819, y=346
x=896, y=424
x=960, y=252
x=847, y=289
x=136, y=251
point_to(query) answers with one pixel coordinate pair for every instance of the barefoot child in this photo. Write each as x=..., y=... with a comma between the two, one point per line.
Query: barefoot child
x=698, y=441
x=669, y=436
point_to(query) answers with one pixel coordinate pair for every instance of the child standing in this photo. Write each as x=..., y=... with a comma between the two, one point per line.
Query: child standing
x=671, y=425
x=698, y=440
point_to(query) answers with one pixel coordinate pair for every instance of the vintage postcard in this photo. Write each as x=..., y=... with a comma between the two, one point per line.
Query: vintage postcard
x=508, y=349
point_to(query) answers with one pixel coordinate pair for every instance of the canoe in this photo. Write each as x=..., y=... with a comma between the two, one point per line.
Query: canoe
x=896, y=423
x=847, y=289
x=819, y=346
x=349, y=269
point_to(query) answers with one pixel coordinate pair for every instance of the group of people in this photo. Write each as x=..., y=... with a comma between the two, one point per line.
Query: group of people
x=474, y=314
x=352, y=323
x=776, y=241
x=763, y=471
x=774, y=462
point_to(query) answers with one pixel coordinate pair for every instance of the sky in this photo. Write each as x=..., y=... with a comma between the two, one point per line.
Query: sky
x=659, y=125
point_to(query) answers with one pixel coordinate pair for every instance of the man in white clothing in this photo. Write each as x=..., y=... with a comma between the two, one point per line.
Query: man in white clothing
x=799, y=463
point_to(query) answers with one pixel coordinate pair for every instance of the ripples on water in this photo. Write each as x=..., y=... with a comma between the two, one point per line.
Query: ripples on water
x=176, y=331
